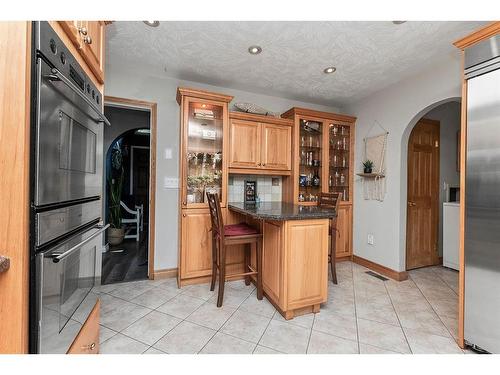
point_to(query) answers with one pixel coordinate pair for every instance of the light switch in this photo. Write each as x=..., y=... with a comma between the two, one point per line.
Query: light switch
x=168, y=153
x=170, y=182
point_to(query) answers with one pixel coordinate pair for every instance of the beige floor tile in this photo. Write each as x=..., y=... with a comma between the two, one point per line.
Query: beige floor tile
x=451, y=324
x=262, y=307
x=155, y=297
x=181, y=306
x=153, y=351
x=336, y=324
x=286, y=338
x=121, y=344
x=305, y=320
x=422, y=320
x=425, y=343
x=105, y=333
x=152, y=327
x=122, y=314
x=339, y=306
x=225, y=344
x=246, y=325
x=211, y=316
x=186, y=338
x=129, y=291
x=370, y=349
x=322, y=343
x=382, y=335
x=259, y=349
x=201, y=291
x=445, y=307
x=378, y=312
x=234, y=297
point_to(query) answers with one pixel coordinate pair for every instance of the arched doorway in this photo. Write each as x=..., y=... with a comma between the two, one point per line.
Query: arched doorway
x=129, y=194
x=429, y=170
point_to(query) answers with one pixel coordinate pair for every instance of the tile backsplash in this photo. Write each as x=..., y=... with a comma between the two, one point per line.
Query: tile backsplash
x=268, y=187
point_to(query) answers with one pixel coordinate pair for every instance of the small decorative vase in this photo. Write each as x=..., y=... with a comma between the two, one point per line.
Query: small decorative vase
x=115, y=235
x=367, y=170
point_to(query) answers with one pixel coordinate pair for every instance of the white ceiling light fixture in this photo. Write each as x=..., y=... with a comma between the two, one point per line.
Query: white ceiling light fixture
x=254, y=50
x=152, y=23
x=330, y=70
x=398, y=22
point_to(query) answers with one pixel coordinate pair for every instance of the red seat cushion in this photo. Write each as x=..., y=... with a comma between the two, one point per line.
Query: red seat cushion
x=241, y=229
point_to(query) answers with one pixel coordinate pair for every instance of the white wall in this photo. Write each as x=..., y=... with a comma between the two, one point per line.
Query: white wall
x=448, y=115
x=397, y=108
x=140, y=85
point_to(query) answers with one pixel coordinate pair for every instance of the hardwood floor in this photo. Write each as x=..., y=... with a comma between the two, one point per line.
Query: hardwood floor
x=126, y=262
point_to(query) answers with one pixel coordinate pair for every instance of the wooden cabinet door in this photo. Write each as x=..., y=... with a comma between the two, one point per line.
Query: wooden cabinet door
x=93, y=46
x=344, y=231
x=271, y=262
x=196, y=243
x=71, y=28
x=276, y=147
x=87, y=341
x=244, y=145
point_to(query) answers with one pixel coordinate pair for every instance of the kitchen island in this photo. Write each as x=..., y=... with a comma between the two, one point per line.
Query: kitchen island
x=295, y=254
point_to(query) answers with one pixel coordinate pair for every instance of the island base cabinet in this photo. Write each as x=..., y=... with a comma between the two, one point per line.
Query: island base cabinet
x=295, y=265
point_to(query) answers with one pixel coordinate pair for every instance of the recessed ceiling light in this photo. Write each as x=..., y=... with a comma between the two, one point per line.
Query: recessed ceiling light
x=254, y=50
x=329, y=70
x=398, y=22
x=152, y=23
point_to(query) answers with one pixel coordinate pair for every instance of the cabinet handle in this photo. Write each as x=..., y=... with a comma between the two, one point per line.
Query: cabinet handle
x=184, y=203
x=263, y=164
x=411, y=204
x=183, y=215
x=4, y=264
x=82, y=30
x=89, y=347
x=87, y=39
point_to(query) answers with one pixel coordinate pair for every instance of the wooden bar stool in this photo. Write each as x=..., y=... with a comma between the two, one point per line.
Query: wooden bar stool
x=223, y=236
x=331, y=200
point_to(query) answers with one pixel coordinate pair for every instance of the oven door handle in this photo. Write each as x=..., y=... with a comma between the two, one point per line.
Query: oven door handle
x=58, y=76
x=58, y=257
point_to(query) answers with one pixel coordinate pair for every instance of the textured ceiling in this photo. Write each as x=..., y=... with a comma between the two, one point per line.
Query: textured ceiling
x=368, y=55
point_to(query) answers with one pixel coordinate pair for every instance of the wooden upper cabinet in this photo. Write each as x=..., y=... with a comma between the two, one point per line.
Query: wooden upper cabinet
x=277, y=147
x=262, y=144
x=88, y=38
x=244, y=144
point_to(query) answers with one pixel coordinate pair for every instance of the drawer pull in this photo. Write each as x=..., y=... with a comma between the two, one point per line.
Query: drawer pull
x=82, y=30
x=87, y=39
x=89, y=347
x=4, y=264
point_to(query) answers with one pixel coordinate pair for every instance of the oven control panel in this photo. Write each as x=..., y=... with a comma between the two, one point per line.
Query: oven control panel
x=52, y=49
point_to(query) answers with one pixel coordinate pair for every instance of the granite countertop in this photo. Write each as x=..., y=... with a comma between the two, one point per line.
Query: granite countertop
x=281, y=211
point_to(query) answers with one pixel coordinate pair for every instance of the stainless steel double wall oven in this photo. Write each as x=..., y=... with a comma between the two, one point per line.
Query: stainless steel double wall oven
x=67, y=234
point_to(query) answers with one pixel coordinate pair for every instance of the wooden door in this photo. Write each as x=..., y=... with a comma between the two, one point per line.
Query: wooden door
x=423, y=195
x=244, y=145
x=276, y=147
x=343, y=234
x=196, y=244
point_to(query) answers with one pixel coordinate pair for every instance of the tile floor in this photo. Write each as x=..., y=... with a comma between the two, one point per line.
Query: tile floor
x=363, y=315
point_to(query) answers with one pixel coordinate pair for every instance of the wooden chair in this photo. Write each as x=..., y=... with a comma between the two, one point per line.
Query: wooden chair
x=224, y=236
x=331, y=200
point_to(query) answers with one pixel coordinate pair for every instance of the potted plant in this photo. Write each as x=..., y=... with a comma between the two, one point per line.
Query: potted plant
x=368, y=166
x=116, y=232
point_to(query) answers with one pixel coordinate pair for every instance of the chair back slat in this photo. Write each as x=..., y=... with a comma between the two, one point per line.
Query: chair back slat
x=215, y=214
x=330, y=200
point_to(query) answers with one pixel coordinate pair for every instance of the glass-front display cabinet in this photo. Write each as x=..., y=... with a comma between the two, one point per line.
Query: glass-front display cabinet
x=203, y=164
x=339, y=171
x=311, y=160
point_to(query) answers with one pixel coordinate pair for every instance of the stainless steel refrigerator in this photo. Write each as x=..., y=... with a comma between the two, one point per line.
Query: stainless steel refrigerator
x=482, y=204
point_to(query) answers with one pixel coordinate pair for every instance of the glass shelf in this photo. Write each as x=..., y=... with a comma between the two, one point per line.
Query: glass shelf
x=339, y=177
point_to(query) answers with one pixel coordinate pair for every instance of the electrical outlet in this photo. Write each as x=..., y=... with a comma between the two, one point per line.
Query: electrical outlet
x=370, y=239
x=171, y=183
x=168, y=153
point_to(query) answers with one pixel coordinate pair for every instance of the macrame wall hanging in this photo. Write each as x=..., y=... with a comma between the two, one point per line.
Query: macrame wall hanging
x=374, y=187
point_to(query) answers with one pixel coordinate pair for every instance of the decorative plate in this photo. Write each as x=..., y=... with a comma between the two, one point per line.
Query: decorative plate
x=253, y=108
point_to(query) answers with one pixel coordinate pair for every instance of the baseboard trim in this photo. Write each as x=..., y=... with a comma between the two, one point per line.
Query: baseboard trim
x=165, y=274
x=383, y=270
x=344, y=258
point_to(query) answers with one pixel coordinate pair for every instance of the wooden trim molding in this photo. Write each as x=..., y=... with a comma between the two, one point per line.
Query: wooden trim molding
x=260, y=118
x=15, y=76
x=319, y=114
x=479, y=35
x=165, y=274
x=255, y=171
x=201, y=94
x=383, y=270
x=153, y=112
